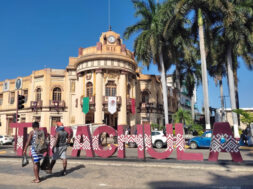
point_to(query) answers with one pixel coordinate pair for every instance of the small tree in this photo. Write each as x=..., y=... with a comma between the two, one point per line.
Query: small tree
x=182, y=116
x=246, y=117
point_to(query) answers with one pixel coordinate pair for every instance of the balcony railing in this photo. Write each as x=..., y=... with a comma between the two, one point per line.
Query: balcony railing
x=57, y=105
x=36, y=105
x=146, y=107
x=105, y=102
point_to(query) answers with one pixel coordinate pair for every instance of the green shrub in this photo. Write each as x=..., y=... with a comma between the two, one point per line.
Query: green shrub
x=196, y=127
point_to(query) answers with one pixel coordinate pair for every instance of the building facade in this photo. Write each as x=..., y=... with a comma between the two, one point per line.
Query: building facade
x=99, y=72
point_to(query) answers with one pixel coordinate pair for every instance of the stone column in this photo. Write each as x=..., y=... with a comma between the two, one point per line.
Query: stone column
x=122, y=118
x=99, y=97
x=133, y=93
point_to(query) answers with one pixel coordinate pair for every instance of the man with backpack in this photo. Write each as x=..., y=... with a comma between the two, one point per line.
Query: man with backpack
x=39, y=146
x=60, y=147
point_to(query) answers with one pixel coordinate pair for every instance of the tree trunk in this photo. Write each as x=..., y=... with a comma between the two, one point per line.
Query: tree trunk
x=193, y=105
x=178, y=87
x=236, y=95
x=232, y=91
x=203, y=69
x=165, y=91
x=222, y=101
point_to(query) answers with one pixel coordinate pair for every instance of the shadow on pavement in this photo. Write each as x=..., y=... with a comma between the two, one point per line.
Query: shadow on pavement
x=218, y=182
x=58, y=174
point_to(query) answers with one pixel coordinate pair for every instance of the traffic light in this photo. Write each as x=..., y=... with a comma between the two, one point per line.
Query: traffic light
x=15, y=118
x=21, y=101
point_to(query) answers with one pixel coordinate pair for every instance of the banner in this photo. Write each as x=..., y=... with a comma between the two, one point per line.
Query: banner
x=112, y=104
x=133, y=105
x=86, y=102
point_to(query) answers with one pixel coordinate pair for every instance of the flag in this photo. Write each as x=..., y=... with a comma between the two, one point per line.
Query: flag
x=112, y=104
x=86, y=102
x=133, y=105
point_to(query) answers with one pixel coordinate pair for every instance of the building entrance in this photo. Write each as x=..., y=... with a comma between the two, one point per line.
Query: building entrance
x=111, y=119
x=89, y=118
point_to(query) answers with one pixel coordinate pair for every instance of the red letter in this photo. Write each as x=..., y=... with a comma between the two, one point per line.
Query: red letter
x=22, y=136
x=97, y=147
x=148, y=141
x=138, y=139
x=222, y=131
x=83, y=141
x=181, y=155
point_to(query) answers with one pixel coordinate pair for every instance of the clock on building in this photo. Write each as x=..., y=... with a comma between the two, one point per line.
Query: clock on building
x=18, y=83
x=111, y=39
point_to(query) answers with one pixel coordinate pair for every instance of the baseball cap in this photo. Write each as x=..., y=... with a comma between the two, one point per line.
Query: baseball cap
x=59, y=123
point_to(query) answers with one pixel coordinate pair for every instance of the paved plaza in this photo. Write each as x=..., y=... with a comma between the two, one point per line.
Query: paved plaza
x=132, y=173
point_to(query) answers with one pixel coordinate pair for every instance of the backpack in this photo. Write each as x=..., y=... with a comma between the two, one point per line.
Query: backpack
x=41, y=144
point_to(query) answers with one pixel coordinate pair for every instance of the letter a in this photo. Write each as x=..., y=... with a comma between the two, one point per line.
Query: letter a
x=223, y=141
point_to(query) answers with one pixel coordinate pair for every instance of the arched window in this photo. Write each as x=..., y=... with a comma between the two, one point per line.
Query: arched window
x=110, y=89
x=38, y=94
x=145, y=97
x=89, y=89
x=57, y=94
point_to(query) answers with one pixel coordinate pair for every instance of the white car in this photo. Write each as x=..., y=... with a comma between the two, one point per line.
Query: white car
x=158, y=139
x=6, y=140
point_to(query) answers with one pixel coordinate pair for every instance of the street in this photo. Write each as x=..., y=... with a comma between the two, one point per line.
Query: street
x=101, y=174
x=131, y=172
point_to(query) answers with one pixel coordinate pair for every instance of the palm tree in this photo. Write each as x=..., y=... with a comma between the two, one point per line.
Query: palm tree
x=202, y=9
x=176, y=41
x=238, y=37
x=182, y=116
x=150, y=44
x=216, y=60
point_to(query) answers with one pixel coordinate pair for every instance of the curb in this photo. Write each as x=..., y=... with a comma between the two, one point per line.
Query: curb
x=172, y=164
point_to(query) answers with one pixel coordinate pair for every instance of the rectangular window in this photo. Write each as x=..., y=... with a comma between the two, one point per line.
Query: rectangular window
x=107, y=91
x=1, y=99
x=113, y=91
x=12, y=98
x=25, y=92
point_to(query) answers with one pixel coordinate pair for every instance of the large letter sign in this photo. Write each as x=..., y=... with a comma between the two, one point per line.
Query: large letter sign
x=223, y=141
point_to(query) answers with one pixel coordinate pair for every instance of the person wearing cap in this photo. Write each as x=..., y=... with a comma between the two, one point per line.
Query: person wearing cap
x=60, y=147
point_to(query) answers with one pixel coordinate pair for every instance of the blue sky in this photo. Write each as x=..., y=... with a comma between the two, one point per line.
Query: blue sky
x=44, y=34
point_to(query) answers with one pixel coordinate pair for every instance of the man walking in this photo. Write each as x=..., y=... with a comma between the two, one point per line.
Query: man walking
x=60, y=147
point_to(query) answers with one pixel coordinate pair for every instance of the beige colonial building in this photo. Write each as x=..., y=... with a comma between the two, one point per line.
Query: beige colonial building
x=107, y=69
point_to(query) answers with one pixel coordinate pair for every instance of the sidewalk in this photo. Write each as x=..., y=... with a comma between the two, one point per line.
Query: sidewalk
x=225, y=161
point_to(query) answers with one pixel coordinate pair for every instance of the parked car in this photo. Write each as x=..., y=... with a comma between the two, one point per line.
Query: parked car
x=6, y=140
x=203, y=141
x=158, y=139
